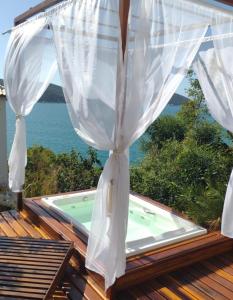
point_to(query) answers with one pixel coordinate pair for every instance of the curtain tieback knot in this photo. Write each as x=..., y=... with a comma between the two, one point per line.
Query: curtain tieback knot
x=117, y=152
x=19, y=117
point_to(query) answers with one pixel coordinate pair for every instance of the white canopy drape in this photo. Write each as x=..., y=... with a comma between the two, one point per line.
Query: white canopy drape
x=111, y=103
x=214, y=69
x=27, y=75
x=113, y=118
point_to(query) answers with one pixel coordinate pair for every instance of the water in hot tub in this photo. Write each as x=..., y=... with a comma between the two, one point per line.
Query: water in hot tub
x=142, y=222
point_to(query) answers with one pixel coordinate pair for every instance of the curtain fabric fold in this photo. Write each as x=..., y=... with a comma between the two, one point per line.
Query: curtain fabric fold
x=215, y=73
x=110, y=102
x=26, y=77
x=92, y=73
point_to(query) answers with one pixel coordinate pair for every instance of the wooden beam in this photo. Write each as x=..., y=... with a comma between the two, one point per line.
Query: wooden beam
x=228, y=2
x=35, y=10
x=124, y=5
x=124, y=12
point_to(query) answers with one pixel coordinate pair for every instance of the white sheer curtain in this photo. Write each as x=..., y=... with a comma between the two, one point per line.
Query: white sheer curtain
x=111, y=104
x=87, y=39
x=27, y=75
x=214, y=70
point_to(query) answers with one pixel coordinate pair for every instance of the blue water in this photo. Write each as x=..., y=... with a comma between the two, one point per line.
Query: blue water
x=49, y=125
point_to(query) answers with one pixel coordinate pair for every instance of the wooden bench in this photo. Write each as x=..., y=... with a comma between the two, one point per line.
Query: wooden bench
x=31, y=268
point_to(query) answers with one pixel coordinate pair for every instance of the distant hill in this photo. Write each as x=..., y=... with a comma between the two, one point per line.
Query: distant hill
x=54, y=94
x=178, y=99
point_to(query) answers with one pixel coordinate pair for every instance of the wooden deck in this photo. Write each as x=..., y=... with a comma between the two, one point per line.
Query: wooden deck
x=209, y=279
x=150, y=264
x=207, y=273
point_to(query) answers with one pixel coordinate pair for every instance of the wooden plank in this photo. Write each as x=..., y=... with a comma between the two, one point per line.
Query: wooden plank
x=25, y=244
x=30, y=256
x=212, y=268
x=18, y=289
x=10, y=282
x=36, y=241
x=177, y=288
x=184, y=274
x=6, y=228
x=2, y=233
x=188, y=285
x=19, y=295
x=14, y=224
x=27, y=274
x=12, y=298
x=214, y=276
x=163, y=290
x=29, y=267
x=28, y=261
x=213, y=284
x=24, y=278
x=224, y=267
x=29, y=228
x=29, y=251
x=27, y=271
x=181, y=248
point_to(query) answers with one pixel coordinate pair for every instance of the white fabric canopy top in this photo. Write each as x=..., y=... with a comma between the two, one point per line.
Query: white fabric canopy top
x=112, y=102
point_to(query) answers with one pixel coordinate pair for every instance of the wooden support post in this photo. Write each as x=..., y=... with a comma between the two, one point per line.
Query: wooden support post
x=3, y=141
x=124, y=13
x=19, y=197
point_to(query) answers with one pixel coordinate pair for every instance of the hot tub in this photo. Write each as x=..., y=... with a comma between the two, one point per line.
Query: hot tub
x=149, y=226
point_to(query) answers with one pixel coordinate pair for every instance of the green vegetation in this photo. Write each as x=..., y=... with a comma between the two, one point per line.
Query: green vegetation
x=187, y=163
x=48, y=173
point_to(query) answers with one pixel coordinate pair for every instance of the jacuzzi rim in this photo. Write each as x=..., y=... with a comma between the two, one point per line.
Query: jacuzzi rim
x=135, y=197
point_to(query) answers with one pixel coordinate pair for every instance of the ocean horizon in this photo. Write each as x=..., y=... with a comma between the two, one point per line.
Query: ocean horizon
x=49, y=126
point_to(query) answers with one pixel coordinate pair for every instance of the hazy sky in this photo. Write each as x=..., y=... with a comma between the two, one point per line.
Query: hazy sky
x=9, y=10
x=12, y=8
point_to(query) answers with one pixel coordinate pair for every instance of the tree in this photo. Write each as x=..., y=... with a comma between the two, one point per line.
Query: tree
x=41, y=172
x=50, y=173
x=76, y=172
x=188, y=160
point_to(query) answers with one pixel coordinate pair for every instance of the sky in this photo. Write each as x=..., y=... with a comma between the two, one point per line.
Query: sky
x=9, y=9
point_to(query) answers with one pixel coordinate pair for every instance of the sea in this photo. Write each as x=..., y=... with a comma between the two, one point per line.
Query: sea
x=49, y=125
